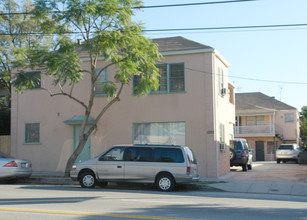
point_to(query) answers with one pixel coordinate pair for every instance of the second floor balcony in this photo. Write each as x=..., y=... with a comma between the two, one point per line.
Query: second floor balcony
x=254, y=130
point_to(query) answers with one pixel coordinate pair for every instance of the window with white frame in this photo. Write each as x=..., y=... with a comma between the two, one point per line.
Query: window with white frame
x=222, y=137
x=171, y=78
x=289, y=117
x=221, y=80
x=36, y=76
x=32, y=133
x=159, y=133
x=100, y=82
x=255, y=120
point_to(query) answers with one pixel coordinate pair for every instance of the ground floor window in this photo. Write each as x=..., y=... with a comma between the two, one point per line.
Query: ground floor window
x=32, y=133
x=270, y=147
x=159, y=133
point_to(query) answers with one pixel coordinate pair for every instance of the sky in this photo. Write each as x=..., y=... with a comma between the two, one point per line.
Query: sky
x=278, y=54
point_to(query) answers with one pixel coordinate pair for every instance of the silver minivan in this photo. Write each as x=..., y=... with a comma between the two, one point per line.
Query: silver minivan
x=163, y=165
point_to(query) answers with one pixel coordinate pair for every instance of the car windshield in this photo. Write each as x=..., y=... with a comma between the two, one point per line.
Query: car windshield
x=285, y=147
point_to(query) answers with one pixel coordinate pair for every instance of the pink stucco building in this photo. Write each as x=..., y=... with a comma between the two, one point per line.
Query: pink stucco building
x=194, y=106
x=265, y=123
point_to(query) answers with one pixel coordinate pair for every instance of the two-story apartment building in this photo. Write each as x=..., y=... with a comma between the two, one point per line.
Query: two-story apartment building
x=193, y=106
x=265, y=123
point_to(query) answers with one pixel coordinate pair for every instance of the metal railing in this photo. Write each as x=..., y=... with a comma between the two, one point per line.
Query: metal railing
x=255, y=130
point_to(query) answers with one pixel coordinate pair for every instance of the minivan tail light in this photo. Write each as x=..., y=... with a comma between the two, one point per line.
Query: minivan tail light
x=188, y=170
x=11, y=164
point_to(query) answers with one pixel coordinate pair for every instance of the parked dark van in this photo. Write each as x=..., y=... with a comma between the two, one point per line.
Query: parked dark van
x=240, y=154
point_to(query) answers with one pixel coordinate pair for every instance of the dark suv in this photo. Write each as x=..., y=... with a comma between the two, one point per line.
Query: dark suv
x=240, y=155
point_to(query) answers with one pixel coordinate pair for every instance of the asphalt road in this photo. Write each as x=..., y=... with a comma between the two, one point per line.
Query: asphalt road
x=72, y=202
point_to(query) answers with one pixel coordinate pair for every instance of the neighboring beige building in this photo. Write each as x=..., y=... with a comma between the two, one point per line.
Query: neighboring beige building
x=194, y=106
x=265, y=123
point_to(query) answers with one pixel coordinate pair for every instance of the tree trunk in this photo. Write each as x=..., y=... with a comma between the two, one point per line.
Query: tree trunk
x=75, y=154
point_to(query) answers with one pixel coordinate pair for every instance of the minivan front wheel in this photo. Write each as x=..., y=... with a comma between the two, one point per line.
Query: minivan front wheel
x=165, y=182
x=87, y=180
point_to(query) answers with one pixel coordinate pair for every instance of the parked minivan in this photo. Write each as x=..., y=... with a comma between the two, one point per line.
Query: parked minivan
x=163, y=165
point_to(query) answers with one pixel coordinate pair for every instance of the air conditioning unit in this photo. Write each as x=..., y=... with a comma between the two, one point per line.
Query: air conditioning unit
x=223, y=147
x=224, y=91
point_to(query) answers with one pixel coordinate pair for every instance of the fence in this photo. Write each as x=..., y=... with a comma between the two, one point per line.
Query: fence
x=5, y=144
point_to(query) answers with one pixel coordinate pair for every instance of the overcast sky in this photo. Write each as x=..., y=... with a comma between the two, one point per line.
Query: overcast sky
x=278, y=54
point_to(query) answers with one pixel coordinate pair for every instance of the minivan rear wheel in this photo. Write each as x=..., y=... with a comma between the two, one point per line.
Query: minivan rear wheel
x=87, y=180
x=165, y=182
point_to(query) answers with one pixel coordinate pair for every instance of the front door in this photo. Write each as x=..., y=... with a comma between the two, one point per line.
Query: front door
x=86, y=152
x=259, y=150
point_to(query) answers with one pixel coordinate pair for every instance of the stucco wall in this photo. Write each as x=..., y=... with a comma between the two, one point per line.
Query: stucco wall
x=194, y=106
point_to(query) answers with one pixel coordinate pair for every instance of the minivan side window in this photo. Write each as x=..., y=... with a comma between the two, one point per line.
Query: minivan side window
x=138, y=154
x=171, y=155
x=114, y=154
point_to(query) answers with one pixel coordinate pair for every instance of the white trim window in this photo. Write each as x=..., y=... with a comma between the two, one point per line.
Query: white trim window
x=221, y=81
x=100, y=82
x=159, y=133
x=222, y=137
x=289, y=117
x=32, y=133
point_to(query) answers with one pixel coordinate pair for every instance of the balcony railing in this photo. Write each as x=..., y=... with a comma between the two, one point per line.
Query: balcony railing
x=255, y=130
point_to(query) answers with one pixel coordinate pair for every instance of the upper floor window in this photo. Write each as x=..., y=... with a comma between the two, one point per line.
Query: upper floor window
x=171, y=78
x=289, y=117
x=221, y=81
x=255, y=120
x=100, y=82
x=32, y=133
x=36, y=77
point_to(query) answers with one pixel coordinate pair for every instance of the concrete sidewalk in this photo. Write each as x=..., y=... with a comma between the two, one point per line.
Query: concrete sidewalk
x=258, y=187
x=227, y=183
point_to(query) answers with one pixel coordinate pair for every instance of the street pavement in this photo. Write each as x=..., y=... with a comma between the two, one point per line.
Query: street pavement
x=264, y=178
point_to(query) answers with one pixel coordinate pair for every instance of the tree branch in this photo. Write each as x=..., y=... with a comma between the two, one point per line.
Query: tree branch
x=66, y=94
x=114, y=100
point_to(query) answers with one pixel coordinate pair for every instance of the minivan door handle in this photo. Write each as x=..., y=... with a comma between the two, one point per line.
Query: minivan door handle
x=119, y=166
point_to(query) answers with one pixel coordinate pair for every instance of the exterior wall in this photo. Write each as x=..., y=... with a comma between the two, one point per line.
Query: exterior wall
x=195, y=107
x=224, y=114
x=267, y=156
x=288, y=130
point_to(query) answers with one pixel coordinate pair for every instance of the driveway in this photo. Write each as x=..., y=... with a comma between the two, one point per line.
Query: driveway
x=270, y=172
x=266, y=177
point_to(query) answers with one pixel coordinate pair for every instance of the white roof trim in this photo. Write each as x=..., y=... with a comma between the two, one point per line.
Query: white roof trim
x=181, y=52
x=221, y=58
x=167, y=53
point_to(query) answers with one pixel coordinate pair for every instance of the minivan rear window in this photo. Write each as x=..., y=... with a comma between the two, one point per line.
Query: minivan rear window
x=171, y=155
x=190, y=154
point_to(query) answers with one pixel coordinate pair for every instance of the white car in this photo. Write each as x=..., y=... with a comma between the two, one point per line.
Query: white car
x=287, y=152
x=12, y=168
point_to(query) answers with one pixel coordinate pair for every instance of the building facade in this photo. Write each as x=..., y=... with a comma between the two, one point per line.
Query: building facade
x=193, y=106
x=265, y=123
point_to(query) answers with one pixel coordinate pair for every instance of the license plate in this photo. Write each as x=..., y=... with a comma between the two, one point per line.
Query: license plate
x=24, y=165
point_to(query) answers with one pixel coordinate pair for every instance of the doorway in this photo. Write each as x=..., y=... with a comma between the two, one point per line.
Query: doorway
x=86, y=152
x=259, y=150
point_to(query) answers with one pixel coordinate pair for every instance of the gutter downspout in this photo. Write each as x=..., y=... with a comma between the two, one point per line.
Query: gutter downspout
x=215, y=111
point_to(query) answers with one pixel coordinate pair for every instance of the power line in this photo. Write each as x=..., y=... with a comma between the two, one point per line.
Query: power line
x=227, y=28
x=194, y=4
x=238, y=28
x=251, y=79
x=154, y=6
